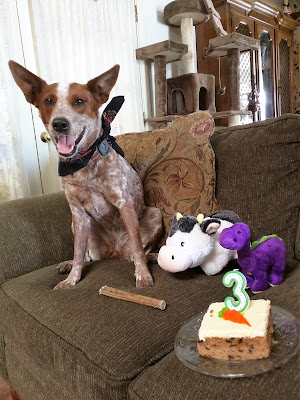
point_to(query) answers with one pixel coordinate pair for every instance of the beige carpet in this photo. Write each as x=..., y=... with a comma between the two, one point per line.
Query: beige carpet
x=4, y=390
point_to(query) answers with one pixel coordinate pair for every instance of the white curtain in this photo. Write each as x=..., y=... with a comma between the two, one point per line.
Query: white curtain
x=71, y=40
x=76, y=40
x=13, y=179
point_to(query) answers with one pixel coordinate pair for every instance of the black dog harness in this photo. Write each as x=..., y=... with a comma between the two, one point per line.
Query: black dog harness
x=102, y=144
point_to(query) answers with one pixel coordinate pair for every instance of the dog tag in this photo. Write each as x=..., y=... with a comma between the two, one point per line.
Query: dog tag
x=104, y=147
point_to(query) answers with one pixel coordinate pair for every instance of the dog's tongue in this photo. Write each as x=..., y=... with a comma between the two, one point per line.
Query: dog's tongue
x=65, y=144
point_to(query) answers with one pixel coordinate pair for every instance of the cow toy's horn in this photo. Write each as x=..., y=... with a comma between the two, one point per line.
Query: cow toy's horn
x=200, y=218
x=178, y=216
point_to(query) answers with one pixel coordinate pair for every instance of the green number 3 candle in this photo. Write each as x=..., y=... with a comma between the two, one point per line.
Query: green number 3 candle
x=237, y=279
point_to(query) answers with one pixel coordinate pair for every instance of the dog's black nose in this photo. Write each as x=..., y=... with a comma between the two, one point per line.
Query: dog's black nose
x=60, y=124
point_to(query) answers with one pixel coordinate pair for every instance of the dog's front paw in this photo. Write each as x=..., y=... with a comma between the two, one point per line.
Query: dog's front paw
x=64, y=267
x=145, y=280
x=65, y=284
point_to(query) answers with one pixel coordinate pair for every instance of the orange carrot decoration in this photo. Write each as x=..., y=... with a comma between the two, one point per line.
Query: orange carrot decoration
x=233, y=315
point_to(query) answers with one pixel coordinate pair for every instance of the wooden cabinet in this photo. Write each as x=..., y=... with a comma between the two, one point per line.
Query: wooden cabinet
x=265, y=75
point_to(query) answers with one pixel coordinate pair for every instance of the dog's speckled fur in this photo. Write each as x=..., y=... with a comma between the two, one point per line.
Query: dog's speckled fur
x=106, y=198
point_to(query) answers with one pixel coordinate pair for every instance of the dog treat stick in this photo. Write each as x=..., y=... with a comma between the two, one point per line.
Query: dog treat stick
x=133, y=297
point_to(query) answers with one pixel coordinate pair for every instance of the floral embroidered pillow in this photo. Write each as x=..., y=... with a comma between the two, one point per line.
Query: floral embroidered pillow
x=176, y=165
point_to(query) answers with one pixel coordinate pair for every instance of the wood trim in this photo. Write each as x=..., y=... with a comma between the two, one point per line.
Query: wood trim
x=264, y=7
x=240, y=4
x=237, y=18
x=289, y=23
x=267, y=6
x=262, y=10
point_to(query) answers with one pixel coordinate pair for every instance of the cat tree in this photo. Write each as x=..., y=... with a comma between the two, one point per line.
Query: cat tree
x=197, y=89
x=230, y=46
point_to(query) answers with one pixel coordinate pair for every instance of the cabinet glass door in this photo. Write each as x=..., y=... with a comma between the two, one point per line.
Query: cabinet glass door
x=285, y=74
x=266, y=76
x=266, y=71
x=284, y=83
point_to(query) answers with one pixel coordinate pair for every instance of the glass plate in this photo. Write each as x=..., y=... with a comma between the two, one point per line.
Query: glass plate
x=286, y=338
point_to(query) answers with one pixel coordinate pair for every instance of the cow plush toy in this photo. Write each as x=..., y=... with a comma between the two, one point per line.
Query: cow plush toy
x=195, y=241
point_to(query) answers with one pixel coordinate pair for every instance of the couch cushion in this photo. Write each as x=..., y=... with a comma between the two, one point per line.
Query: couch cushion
x=177, y=166
x=95, y=344
x=257, y=166
x=170, y=379
x=27, y=225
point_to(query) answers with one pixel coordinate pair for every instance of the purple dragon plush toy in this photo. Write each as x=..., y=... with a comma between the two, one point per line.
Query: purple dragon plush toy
x=263, y=262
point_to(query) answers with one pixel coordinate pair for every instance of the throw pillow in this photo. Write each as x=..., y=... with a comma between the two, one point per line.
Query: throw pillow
x=176, y=165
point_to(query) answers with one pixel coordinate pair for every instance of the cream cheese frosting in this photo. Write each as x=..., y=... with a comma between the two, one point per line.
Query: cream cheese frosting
x=257, y=314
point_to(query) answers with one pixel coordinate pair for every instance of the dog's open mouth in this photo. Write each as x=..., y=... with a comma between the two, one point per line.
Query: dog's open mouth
x=67, y=144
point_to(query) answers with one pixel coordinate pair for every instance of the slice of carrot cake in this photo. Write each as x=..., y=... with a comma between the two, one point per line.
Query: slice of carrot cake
x=231, y=335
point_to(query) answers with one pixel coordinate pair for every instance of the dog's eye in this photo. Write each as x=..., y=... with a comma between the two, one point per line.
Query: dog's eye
x=48, y=101
x=79, y=102
x=182, y=244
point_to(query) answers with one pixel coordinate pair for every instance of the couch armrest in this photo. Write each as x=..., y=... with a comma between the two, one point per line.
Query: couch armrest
x=35, y=232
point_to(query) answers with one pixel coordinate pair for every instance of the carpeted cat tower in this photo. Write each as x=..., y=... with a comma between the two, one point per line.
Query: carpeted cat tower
x=192, y=91
x=197, y=90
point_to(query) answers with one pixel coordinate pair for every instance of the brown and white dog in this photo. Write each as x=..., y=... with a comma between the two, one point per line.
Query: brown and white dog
x=106, y=198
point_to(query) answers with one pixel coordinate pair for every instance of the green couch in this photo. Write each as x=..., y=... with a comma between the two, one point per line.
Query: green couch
x=76, y=344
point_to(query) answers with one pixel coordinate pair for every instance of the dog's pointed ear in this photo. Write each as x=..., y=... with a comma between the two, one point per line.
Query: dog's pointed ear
x=30, y=84
x=101, y=86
